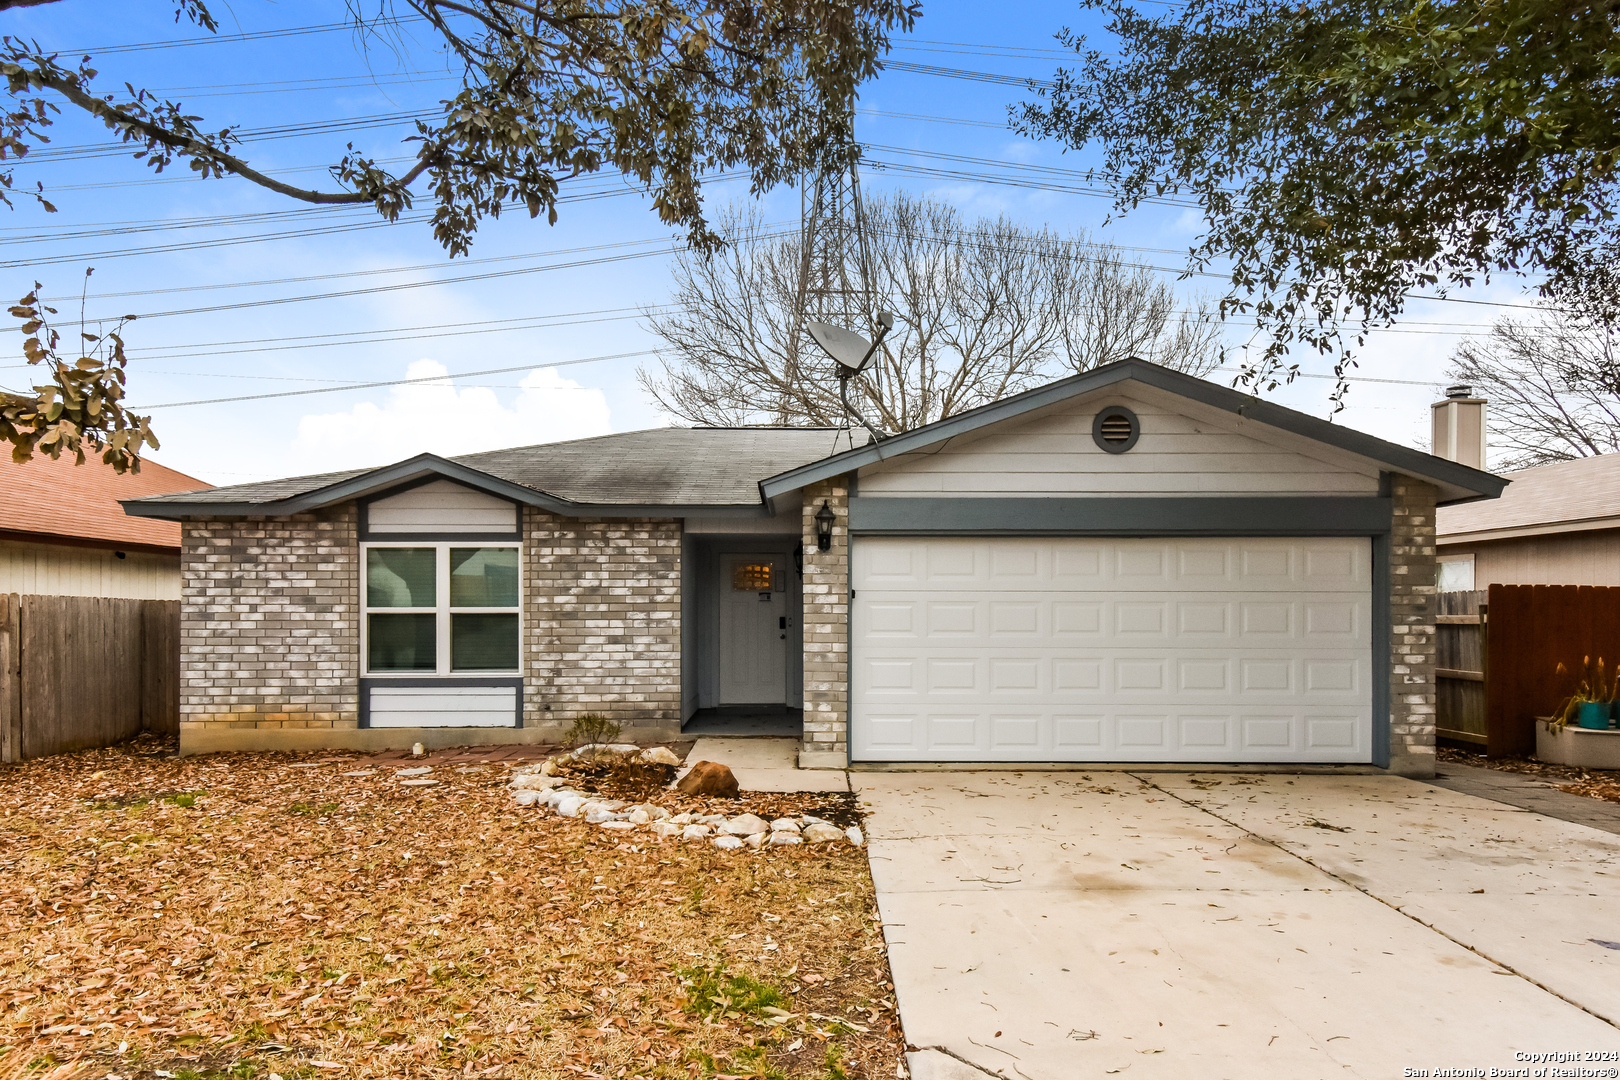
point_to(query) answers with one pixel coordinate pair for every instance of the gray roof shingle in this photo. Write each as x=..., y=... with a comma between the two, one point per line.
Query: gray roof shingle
x=674, y=466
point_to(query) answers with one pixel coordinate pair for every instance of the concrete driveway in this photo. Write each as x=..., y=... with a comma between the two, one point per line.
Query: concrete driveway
x=1060, y=925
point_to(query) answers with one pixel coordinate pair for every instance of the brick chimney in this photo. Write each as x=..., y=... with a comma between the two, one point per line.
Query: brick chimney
x=1459, y=427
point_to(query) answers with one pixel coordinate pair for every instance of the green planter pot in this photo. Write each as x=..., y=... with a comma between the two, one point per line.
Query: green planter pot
x=1593, y=714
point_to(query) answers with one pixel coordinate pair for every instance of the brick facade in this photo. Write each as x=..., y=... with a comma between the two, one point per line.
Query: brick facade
x=603, y=623
x=269, y=623
x=1412, y=600
x=826, y=629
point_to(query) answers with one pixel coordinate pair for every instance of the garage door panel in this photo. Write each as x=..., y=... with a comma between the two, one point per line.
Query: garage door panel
x=1191, y=565
x=1078, y=677
x=1245, y=650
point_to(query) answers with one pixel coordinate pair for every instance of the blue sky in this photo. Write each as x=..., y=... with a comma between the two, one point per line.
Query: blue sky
x=222, y=271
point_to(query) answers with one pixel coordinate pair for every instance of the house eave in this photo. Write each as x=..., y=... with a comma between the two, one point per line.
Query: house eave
x=1522, y=532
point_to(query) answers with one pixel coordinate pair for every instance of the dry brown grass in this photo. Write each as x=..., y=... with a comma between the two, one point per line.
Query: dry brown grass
x=295, y=921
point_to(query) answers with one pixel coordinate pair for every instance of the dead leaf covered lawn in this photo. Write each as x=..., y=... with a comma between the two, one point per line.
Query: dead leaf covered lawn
x=253, y=914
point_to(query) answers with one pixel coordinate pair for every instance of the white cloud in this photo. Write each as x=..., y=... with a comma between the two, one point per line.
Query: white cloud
x=440, y=417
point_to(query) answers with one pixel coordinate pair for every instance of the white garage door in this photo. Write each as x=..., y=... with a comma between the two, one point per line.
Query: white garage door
x=1245, y=650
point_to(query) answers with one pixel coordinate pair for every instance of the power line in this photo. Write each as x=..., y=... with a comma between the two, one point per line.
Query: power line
x=344, y=275
x=227, y=39
x=395, y=382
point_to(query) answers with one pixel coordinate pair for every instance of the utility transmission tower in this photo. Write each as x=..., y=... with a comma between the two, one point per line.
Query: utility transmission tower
x=835, y=276
x=836, y=283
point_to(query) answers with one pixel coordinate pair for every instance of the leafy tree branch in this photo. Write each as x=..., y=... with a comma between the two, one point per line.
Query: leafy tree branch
x=665, y=92
x=82, y=407
x=1348, y=154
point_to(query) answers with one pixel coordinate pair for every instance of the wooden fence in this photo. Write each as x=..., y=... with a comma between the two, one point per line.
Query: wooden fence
x=83, y=671
x=1498, y=652
x=1460, y=667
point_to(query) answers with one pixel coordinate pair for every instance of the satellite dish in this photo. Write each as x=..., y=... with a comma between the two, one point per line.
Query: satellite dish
x=845, y=346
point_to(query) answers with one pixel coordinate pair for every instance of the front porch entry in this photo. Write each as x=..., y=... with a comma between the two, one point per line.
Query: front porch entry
x=741, y=640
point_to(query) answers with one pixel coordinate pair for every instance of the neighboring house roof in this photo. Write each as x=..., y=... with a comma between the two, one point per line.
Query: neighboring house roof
x=59, y=501
x=709, y=468
x=743, y=470
x=1570, y=496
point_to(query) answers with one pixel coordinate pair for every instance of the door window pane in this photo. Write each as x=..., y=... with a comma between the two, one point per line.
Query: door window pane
x=483, y=642
x=484, y=577
x=751, y=577
x=401, y=643
x=400, y=577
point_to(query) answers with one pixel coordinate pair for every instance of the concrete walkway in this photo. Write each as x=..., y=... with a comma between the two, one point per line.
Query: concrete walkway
x=762, y=764
x=1060, y=925
x=1530, y=793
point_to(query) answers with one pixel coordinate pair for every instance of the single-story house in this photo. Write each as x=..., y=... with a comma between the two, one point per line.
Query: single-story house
x=63, y=533
x=1555, y=525
x=1130, y=564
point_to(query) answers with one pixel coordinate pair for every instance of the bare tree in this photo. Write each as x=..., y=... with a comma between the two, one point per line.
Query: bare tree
x=1554, y=387
x=983, y=309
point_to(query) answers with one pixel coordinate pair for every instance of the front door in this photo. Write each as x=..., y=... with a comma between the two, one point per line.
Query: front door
x=754, y=622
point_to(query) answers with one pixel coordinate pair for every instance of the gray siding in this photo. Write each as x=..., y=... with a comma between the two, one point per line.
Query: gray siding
x=1052, y=453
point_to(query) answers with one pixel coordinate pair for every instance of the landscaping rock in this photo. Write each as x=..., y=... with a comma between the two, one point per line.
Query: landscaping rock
x=709, y=778
x=716, y=820
x=694, y=832
x=604, y=752
x=569, y=807
x=681, y=819
x=658, y=755
x=820, y=833
x=418, y=783
x=784, y=824
x=617, y=824
x=727, y=843
x=638, y=816
x=597, y=815
x=855, y=836
x=548, y=767
x=422, y=770
x=784, y=837
x=745, y=825
x=534, y=782
x=666, y=829
x=526, y=798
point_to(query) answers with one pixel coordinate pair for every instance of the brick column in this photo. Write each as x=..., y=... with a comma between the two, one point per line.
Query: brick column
x=602, y=623
x=269, y=624
x=826, y=631
x=1412, y=605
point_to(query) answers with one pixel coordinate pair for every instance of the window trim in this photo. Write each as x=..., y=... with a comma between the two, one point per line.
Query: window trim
x=442, y=612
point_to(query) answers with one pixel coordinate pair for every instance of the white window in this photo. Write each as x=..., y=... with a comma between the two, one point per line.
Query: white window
x=1456, y=573
x=441, y=609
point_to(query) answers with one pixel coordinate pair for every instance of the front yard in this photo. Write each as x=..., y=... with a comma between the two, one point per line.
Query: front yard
x=262, y=915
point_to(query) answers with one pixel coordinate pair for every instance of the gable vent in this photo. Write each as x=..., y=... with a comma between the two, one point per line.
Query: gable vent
x=1115, y=429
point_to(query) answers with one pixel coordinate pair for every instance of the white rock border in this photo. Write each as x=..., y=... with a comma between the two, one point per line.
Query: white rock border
x=742, y=831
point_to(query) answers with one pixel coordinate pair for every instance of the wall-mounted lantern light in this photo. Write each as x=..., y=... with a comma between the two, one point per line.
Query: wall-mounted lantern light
x=824, y=523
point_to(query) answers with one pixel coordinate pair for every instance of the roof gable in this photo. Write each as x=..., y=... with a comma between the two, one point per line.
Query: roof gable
x=1264, y=419
x=1181, y=448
